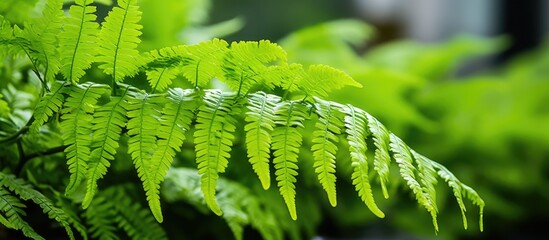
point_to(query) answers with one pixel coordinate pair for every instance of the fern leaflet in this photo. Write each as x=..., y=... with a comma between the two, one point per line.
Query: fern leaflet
x=76, y=128
x=260, y=117
x=213, y=138
x=408, y=171
x=108, y=121
x=382, y=159
x=356, y=129
x=27, y=192
x=78, y=40
x=201, y=62
x=324, y=146
x=287, y=139
x=49, y=104
x=245, y=60
x=118, y=40
x=176, y=120
x=13, y=210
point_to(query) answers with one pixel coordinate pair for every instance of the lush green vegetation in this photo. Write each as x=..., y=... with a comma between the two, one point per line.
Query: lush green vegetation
x=103, y=121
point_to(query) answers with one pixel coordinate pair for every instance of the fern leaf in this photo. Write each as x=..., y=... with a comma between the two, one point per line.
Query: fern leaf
x=245, y=60
x=324, y=146
x=108, y=121
x=460, y=190
x=404, y=158
x=136, y=221
x=287, y=139
x=76, y=128
x=382, y=159
x=201, y=61
x=101, y=218
x=319, y=80
x=72, y=216
x=260, y=118
x=162, y=66
x=27, y=192
x=176, y=120
x=118, y=41
x=49, y=104
x=13, y=210
x=42, y=33
x=160, y=79
x=78, y=40
x=356, y=129
x=213, y=138
x=142, y=127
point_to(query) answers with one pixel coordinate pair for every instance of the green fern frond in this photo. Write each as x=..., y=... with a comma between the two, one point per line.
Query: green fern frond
x=135, y=220
x=162, y=66
x=108, y=121
x=356, y=129
x=12, y=208
x=118, y=41
x=101, y=218
x=382, y=159
x=460, y=190
x=260, y=117
x=240, y=206
x=142, y=125
x=42, y=33
x=246, y=60
x=322, y=79
x=287, y=139
x=76, y=128
x=404, y=159
x=324, y=146
x=72, y=217
x=49, y=104
x=78, y=40
x=177, y=115
x=27, y=192
x=160, y=79
x=214, y=137
x=201, y=62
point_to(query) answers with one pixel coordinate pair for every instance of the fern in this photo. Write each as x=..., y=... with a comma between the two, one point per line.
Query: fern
x=408, y=172
x=118, y=41
x=108, y=121
x=382, y=159
x=289, y=117
x=101, y=218
x=247, y=60
x=42, y=34
x=213, y=137
x=176, y=120
x=356, y=129
x=78, y=40
x=27, y=192
x=76, y=127
x=49, y=104
x=260, y=117
x=324, y=146
x=13, y=210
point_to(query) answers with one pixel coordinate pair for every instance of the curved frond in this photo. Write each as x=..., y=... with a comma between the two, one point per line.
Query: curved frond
x=49, y=104
x=118, y=41
x=260, y=117
x=287, y=139
x=319, y=80
x=176, y=119
x=12, y=208
x=246, y=60
x=76, y=126
x=214, y=136
x=356, y=129
x=460, y=190
x=405, y=160
x=101, y=218
x=108, y=121
x=42, y=33
x=324, y=146
x=201, y=62
x=382, y=159
x=27, y=192
x=78, y=40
